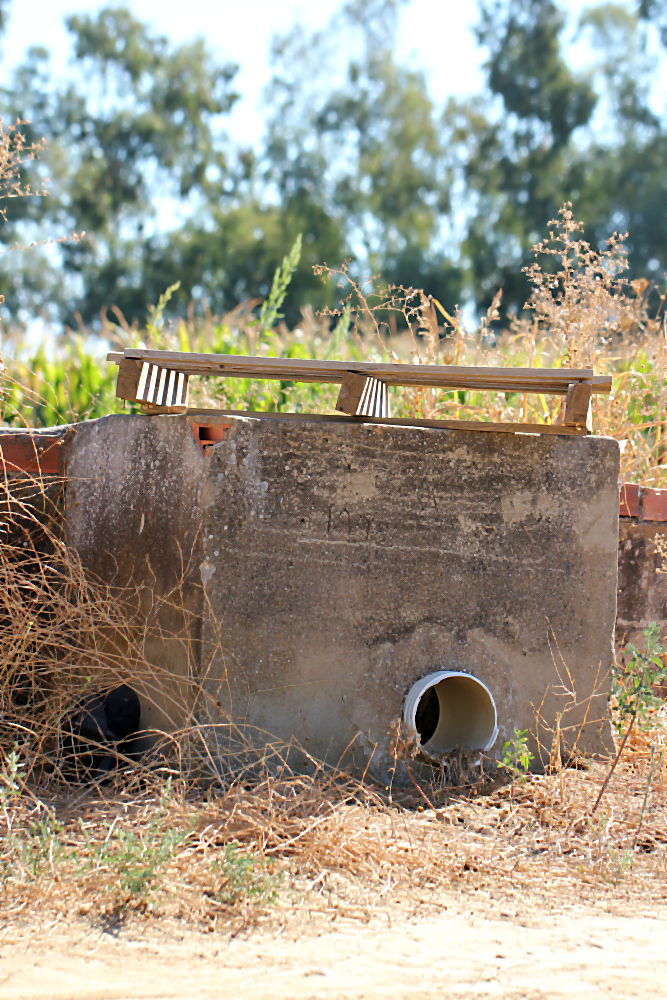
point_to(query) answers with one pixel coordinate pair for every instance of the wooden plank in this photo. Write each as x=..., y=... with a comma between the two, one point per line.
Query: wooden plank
x=452, y=425
x=153, y=409
x=542, y=380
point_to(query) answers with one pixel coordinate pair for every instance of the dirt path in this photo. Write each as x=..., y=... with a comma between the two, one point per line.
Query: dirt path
x=467, y=947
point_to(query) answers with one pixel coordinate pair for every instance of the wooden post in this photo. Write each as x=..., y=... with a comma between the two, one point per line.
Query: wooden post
x=129, y=373
x=350, y=393
x=578, y=406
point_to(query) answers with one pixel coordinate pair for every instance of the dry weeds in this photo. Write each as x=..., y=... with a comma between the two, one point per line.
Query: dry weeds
x=330, y=845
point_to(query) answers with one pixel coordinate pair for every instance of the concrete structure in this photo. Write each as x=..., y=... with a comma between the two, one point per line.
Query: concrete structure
x=344, y=561
x=642, y=564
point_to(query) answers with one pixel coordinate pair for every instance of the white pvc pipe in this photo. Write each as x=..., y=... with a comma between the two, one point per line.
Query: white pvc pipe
x=467, y=716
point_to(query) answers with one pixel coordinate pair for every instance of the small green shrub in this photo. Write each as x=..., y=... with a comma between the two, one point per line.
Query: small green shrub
x=633, y=685
x=517, y=757
x=136, y=859
x=10, y=776
x=243, y=878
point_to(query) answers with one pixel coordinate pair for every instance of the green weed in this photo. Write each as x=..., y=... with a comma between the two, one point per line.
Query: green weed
x=517, y=757
x=633, y=684
x=134, y=860
x=243, y=878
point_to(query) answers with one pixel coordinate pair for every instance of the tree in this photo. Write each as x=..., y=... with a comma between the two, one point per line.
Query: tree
x=518, y=166
x=368, y=147
x=591, y=138
x=144, y=128
x=356, y=157
x=655, y=10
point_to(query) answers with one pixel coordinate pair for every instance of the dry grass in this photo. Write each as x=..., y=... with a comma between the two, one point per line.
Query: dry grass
x=329, y=843
x=582, y=312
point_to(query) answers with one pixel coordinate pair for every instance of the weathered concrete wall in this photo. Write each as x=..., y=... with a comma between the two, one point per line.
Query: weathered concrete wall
x=642, y=579
x=342, y=561
x=133, y=513
x=345, y=561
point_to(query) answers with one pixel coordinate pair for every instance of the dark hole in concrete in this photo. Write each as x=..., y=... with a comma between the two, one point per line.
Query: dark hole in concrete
x=206, y=435
x=103, y=726
x=427, y=715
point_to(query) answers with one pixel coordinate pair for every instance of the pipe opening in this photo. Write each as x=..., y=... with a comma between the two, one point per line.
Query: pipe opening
x=449, y=710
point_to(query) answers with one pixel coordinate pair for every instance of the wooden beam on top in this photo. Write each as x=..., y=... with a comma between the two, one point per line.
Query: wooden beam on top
x=539, y=380
x=204, y=415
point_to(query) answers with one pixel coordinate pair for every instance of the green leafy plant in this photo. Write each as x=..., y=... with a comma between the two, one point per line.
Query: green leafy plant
x=517, y=757
x=281, y=281
x=135, y=859
x=633, y=684
x=10, y=775
x=40, y=844
x=43, y=847
x=243, y=878
x=33, y=850
x=633, y=687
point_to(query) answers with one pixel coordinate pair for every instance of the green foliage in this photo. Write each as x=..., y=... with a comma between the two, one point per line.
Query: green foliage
x=134, y=860
x=281, y=282
x=655, y=10
x=154, y=132
x=371, y=148
x=30, y=852
x=44, y=390
x=517, y=757
x=10, y=776
x=528, y=70
x=633, y=684
x=43, y=845
x=243, y=878
x=523, y=164
x=357, y=157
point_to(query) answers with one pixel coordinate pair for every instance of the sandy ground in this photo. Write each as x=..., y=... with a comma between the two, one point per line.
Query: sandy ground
x=465, y=946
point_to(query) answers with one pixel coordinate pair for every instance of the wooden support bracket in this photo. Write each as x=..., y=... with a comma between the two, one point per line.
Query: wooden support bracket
x=129, y=373
x=578, y=406
x=159, y=390
x=363, y=396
